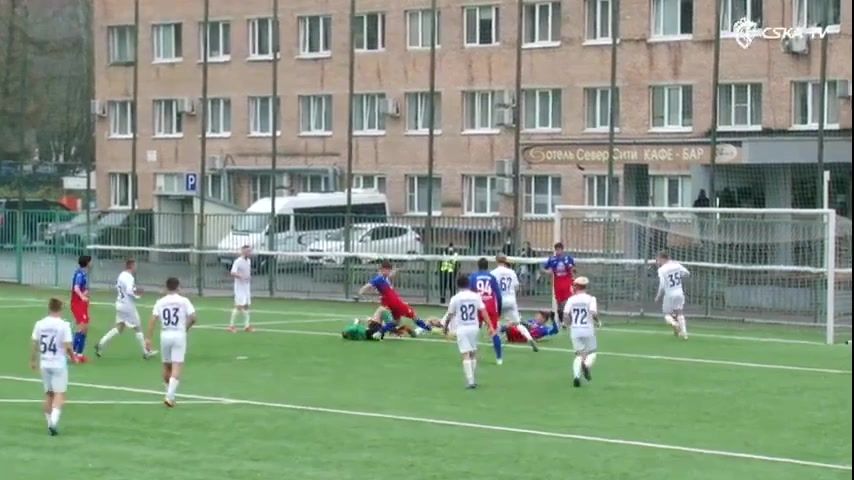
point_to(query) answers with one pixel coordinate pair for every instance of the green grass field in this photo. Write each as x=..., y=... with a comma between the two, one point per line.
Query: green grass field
x=295, y=401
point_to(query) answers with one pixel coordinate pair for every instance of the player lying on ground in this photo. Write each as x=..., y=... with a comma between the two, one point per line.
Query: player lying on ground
x=670, y=277
x=51, y=349
x=542, y=326
x=369, y=329
x=582, y=314
x=126, y=313
x=391, y=300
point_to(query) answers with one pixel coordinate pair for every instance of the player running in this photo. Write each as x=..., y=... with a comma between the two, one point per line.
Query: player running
x=466, y=309
x=582, y=313
x=241, y=270
x=80, y=306
x=561, y=268
x=670, y=277
x=52, y=347
x=127, y=315
x=176, y=315
x=485, y=284
x=508, y=283
x=536, y=328
x=391, y=300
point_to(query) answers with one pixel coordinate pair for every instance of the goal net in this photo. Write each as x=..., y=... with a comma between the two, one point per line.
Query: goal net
x=760, y=265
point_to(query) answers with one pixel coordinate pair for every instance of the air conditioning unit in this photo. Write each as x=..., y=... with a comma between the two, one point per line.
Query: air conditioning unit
x=187, y=106
x=505, y=108
x=843, y=88
x=98, y=108
x=391, y=107
x=504, y=168
x=215, y=162
x=795, y=45
x=504, y=186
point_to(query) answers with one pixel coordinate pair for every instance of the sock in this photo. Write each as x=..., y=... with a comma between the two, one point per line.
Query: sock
x=496, y=344
x=141, y=339
x=108, y=336
x=590, y=360
x=422, y=324
x=54, y=417
x=246, y=318
x=387, y=327
x=75, y=342
x=555, y=328
x=670, y=320
x=683, y=327
x=233, y=317
x=468, y=369
x=81, y=344
x=172, y=388
x=576, y=367
x=525, y=333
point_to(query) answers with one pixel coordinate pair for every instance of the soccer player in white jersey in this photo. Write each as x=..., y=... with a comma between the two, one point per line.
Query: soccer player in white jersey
x=582, y=314
x=176, y=315
x=465, y=310
x=127, y=315
x=50, y=352
x=241, y=270
x=670, y=293
x=508, y=282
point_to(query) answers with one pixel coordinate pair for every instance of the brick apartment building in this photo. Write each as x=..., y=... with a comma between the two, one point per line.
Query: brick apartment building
x=768, y=111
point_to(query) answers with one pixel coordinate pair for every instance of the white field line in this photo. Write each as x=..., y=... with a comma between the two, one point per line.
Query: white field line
x=476, y=426
x=728, y=363
x=335, y=317
x=112, y=402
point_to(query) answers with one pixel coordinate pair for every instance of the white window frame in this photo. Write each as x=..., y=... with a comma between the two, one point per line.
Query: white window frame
x=160, y=52
x=657, y=18
x=533, y=96
x=478, y=125
x=273, y=43
x=221, y=30
x=223, y=189
x=669, y=125
x=307, y=25
x=536, y=37
x=800, y=15
x=364, y=113
x=119, y=182
x=599, y=100
x=831, y=111
x=257, y=189
x=167, y=118
x=366, y=181
x=314, y=183
x=596, y=190
x=555, y=193
x=470, y=200
x=595, y=25
x=315, y=115
x=417, y=113
x=728, y=17
x=412, y=195
x=116, y=109
x=477, y=11
x=360, y=44
x=752, y=89
x=683, y=190
x=256, y=109
x=422, y=18
x=222, y=121
x=115, y=35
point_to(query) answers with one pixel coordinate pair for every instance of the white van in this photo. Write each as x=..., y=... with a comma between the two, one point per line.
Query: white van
x=301, y=220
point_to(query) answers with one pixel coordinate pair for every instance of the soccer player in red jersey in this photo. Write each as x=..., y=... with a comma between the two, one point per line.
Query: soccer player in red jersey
x=391, y=300
x=80, y=306
x=561, y=267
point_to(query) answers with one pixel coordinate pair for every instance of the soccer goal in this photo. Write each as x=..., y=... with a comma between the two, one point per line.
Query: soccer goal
x=758, y=265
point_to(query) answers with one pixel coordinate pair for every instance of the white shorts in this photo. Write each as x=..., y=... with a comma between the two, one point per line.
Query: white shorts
x=467, y=337
x=242, y=299
x=584, y=343
x=55, y=379
x=510, y=311
x=127, y=316
x=672, y=303
x=173, y=348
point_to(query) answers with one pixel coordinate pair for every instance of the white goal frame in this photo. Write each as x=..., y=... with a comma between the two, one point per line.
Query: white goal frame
x=826, y=215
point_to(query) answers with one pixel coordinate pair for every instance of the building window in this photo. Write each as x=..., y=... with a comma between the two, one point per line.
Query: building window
x=168, y=121
x=670, y=191
x=418, y=111
x=370, y=182
x=542, y=194
x=167, y=42
x=315, y=114
x=812, y=13
x=220, y=186
x=219, y=41
x=121, y=44
x=315, y=36
x=417, y=187
x=121, y=114
x=807, y=100
x=735, y=10
x=541, y=23
x=597, y=105
x=481, y=25
x=259, y=186
x=480, y=195
x=314, y=183
x=369, y=113
x=596, y=190
x=479, y=112
x=122, y=190
x=542, y=109
x=263, y=39
x=599, y=20
x=672, y=18
x=370, y=32
x=740, y=106
x=418, y=24
x=672, y=107
x=262, y=115
x=218, y=122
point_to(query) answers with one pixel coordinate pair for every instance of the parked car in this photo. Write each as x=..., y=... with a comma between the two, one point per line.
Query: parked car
x=113, y=228
x=35, y=212
x=55, y=232
x=373, y=238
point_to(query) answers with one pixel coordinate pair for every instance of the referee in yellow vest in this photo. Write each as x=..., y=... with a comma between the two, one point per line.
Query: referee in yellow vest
x=448, y=270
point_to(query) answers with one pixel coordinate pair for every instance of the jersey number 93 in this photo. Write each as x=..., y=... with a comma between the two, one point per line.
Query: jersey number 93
x=169, y=316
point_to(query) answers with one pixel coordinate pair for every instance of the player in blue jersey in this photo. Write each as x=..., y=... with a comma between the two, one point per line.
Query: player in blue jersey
x=391, y=300
x=540, y=327
x=80, y=306
x=486, y=285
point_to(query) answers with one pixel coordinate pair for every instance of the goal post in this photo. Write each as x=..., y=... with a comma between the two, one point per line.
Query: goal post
x=752, y=265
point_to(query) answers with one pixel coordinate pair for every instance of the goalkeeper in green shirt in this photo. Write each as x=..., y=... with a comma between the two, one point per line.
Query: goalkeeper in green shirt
x=370, y=330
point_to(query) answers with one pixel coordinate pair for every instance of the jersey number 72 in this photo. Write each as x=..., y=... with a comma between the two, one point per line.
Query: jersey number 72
x=579, y=316
x=170, y=317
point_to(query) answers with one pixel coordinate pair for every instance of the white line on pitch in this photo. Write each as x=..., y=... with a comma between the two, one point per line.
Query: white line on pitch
x=113, y=402
x=476, y=426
